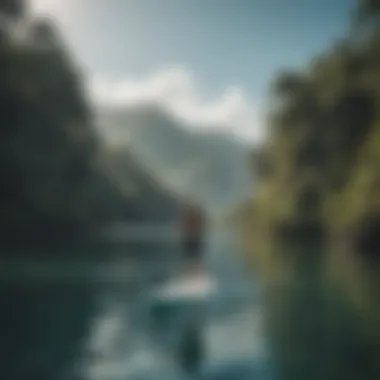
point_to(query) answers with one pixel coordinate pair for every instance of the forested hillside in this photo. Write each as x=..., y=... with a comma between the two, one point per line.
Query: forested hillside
x=312, y=227
x=55, y=184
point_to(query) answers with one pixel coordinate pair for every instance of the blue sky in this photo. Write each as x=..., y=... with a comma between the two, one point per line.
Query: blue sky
x=222, y=43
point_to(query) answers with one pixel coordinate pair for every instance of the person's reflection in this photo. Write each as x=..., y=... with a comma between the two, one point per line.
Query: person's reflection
x=191, y=349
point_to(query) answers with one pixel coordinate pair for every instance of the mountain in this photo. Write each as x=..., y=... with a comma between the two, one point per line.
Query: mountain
x=208, y=166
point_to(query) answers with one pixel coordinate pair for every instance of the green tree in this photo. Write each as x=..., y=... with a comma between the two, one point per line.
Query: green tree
x=315, y=213
x=13, y=8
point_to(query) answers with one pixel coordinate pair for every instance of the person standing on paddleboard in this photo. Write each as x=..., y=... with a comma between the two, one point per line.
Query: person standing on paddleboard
x=193, y=233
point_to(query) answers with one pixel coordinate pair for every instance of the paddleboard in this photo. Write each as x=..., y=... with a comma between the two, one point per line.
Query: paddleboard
x=192, y=287
x=182, y=299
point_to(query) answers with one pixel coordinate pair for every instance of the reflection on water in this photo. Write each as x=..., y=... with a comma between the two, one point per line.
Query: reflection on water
x=92, y=320
x=42, y=327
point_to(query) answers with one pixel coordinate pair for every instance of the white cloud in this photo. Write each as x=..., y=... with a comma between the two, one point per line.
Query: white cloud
x=47, y=7
x=177, y=92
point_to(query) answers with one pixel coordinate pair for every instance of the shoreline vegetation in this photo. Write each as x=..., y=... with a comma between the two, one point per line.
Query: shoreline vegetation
x=311, y=228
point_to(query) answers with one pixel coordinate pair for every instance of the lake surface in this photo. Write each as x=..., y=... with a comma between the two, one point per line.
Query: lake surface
x=90, y=318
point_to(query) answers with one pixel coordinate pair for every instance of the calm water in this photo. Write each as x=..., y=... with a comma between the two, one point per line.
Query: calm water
x=90, y=318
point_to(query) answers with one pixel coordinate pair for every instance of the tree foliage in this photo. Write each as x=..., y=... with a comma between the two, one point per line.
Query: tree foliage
x=54, y=183
x=313, y=222
x=13, y=8
x=323, y=120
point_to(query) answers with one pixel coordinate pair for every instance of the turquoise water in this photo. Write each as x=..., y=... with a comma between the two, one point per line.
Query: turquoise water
x=92, y=319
